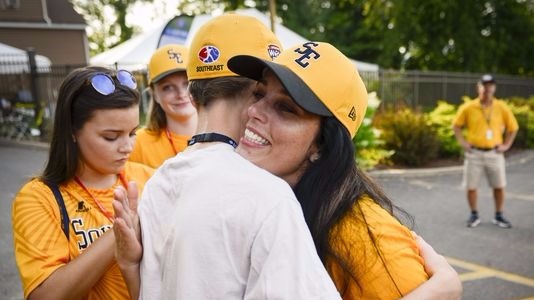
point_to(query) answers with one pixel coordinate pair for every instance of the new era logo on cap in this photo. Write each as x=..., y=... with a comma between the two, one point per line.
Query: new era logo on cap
x=352, y=114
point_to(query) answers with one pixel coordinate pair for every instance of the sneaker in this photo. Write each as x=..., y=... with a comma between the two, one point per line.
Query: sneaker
x=502, y=222
x=473, y=221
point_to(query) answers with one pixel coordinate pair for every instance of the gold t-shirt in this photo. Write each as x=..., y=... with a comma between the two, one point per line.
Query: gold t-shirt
x=394, y=273
x=41, y=246
x=485, y=125
x=152, y=149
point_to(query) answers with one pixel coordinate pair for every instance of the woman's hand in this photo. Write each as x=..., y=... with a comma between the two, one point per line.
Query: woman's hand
x=128, y=249
x=444, y=283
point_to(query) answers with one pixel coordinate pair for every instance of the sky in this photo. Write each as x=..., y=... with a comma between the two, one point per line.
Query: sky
x=147, y=15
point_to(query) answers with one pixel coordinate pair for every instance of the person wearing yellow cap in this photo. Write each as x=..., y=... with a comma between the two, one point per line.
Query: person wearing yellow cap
x=172, y=118
x=214, y=226
x=308, y=106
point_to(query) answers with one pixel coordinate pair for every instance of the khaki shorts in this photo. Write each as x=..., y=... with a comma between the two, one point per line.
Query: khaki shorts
x=478, y=163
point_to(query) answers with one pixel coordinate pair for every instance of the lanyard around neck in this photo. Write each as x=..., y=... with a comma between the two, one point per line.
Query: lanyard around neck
x=169, y=137
x=211, y=137
x=487, y=117
x=100, y=206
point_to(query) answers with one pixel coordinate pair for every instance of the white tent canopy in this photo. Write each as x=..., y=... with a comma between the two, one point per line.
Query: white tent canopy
x=14, y=61
x=135, y=53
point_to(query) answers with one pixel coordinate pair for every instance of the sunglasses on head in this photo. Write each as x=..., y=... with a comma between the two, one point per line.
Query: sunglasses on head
x=105, y=85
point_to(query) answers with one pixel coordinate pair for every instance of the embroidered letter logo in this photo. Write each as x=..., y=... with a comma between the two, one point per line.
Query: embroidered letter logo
x=307, y=53
x=175, y=55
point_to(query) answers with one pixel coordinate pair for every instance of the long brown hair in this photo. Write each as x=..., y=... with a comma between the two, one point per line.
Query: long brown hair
x=325, y=200
x=156, y=118
x=76, y=103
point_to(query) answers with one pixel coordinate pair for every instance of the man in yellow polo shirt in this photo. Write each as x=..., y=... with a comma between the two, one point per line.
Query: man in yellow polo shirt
x=491, y=129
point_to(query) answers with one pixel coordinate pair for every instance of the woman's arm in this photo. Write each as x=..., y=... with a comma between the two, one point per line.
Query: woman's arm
x=75, y=279
x=128, y=250
x=444, y=283
x=42, y=250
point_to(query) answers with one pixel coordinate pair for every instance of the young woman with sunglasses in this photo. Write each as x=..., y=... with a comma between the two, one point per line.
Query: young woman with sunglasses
x=172, y=118
x=62, y=220
x=300, y=128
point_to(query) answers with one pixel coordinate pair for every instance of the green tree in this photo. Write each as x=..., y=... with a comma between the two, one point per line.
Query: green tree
x=476, y=36
x=107, y=22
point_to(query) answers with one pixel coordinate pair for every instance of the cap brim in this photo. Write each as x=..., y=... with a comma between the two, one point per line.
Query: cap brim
x=252, y=67
x=160, y=76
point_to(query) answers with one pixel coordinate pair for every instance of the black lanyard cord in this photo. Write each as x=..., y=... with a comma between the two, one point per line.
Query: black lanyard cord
x=211, y=137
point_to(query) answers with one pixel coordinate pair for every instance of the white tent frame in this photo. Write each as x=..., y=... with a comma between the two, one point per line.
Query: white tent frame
x=135, y=53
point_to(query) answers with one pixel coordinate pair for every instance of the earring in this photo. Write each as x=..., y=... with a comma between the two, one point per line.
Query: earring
x=73, y=139
x=314, y=157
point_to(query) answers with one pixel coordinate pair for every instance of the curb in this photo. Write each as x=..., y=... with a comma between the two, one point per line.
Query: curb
x=408, y=173
x=24, y=144
x=520, y=158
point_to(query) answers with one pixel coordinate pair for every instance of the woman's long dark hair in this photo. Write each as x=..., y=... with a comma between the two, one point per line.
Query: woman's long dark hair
x=76, y=103
x=331, y=186
x=156, y=118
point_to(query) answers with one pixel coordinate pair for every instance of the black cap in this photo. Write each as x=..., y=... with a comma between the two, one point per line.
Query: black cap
x=487, y=78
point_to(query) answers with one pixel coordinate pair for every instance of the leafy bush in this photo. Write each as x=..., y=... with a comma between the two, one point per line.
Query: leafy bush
x=518, y=101
x=441, y=119
x=410, y=135
x=525, y=118
x=367, y=142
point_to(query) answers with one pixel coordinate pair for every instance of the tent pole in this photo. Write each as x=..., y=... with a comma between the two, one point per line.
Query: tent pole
x=272, y=10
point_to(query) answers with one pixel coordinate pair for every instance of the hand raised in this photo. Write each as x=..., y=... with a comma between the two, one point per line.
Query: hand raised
x=128, y=248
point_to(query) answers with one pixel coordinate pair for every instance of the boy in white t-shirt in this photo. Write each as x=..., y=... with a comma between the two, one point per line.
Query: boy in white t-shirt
x=213, y=225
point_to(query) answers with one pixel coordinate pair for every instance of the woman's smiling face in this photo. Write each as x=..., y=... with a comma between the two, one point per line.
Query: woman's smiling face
x=172, y=95
x=279, y=135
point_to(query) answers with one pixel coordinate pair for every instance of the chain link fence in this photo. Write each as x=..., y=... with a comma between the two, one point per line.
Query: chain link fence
x=424, y=89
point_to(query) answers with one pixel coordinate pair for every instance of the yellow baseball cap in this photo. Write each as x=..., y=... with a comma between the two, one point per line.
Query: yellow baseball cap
x=226, y=36
x=166, y=60
x=318, y=77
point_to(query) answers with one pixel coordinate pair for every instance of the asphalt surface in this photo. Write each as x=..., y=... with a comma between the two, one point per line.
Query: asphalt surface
x=493, y=263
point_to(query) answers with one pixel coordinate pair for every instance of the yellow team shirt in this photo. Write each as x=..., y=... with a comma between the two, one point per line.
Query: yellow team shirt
x=41, y=246
x=152, y=149
x=398, y=271
x=485, y=125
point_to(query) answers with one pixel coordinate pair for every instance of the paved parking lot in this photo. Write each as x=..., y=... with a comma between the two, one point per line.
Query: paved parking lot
x=494, y=263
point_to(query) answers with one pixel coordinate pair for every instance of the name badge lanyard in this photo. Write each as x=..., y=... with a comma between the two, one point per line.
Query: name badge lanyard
x=487, y=118
x=169, y=137
x=100, y=206
x=211, y=137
